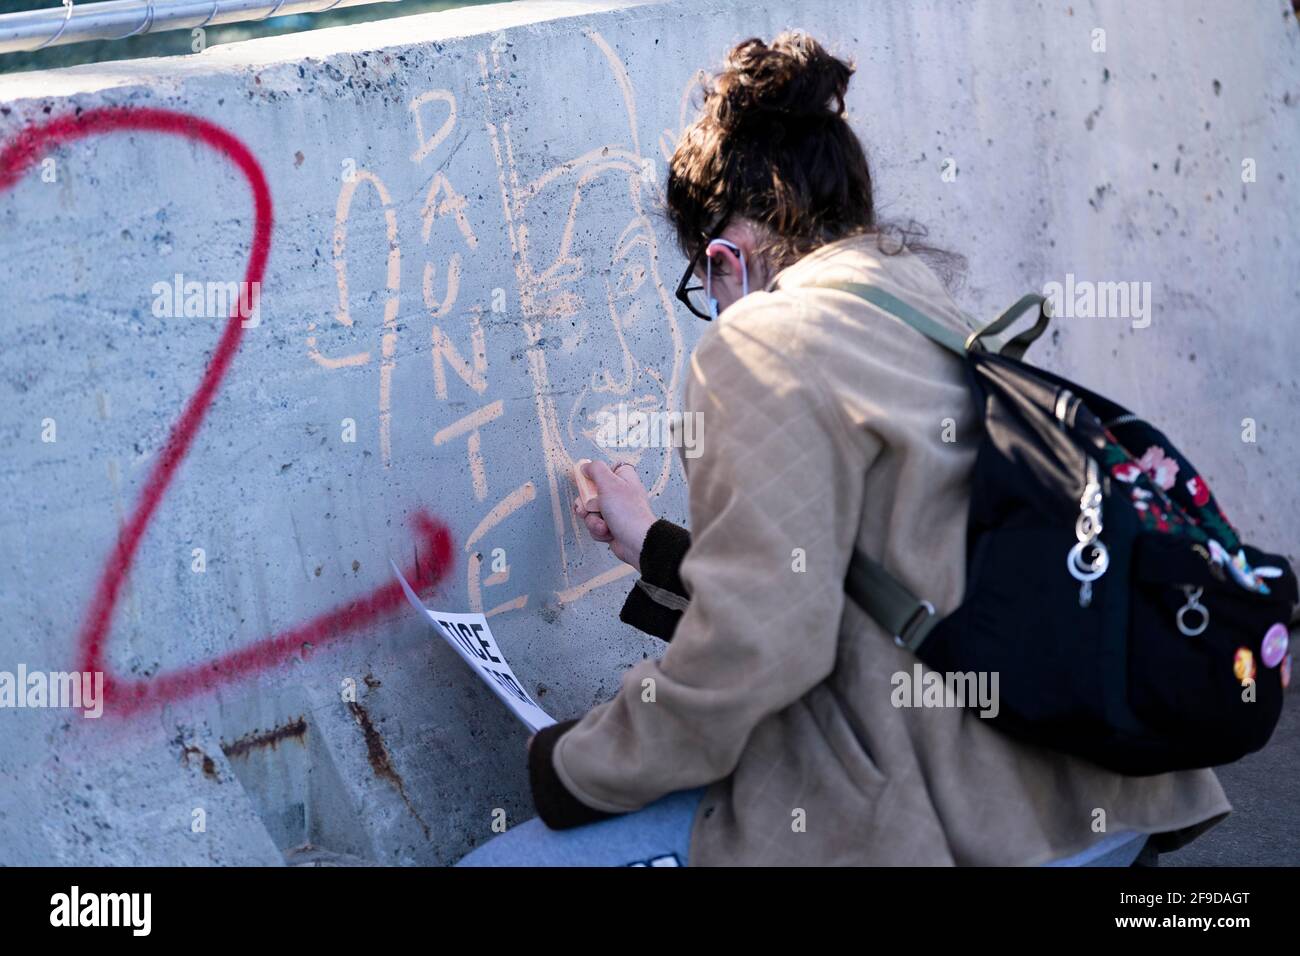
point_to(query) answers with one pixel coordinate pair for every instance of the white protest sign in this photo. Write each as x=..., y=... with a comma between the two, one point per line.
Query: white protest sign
x=472, y=639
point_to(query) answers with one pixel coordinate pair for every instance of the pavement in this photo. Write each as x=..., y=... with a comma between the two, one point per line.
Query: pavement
x=1264, y=827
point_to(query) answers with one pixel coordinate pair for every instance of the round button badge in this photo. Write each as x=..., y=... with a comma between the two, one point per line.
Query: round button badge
x=1275, y=645
x=1243, y=664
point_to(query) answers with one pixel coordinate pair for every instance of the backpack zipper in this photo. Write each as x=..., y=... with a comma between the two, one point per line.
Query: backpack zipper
x=1063, y=405
x=1087, y=529
x=1120, y=420
x=1088, y=526
x=1195, y=606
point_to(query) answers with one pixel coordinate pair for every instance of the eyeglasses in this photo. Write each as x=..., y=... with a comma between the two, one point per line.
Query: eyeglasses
x=698, y=297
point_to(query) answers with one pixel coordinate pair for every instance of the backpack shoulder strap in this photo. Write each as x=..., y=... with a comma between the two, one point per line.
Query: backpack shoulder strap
x=888, y=602
x=945, y=336
x=884, y=598
x=899, y=309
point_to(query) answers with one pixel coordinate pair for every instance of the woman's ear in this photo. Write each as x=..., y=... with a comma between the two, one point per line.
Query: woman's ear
x=746, y=236
x=725, y=262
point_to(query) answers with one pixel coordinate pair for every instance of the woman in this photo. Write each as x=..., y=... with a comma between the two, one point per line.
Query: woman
x=766, y=733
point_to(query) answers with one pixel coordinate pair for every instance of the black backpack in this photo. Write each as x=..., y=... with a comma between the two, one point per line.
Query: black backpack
x=1124, y=617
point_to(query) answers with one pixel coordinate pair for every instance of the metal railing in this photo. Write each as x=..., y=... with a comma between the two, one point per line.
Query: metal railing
x=32, y=30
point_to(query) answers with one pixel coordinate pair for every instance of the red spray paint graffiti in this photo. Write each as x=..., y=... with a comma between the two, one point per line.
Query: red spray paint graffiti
x=126, y=696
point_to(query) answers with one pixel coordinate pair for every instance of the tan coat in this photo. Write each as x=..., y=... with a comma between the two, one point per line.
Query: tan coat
x=823, y=423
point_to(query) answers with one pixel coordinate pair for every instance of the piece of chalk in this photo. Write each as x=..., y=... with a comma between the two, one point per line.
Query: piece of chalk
x=586, y=490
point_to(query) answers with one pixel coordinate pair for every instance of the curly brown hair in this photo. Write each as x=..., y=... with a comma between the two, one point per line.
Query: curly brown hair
x=772, y=145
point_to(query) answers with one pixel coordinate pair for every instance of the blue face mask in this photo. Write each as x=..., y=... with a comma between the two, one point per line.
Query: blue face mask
x=708, y=273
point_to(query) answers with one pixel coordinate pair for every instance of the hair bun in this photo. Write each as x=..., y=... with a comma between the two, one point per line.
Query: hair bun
x=771, y=146
x=792, y=80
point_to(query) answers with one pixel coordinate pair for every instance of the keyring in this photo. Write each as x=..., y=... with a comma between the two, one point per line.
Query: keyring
x=1205, y=619
x=1089, y=572
x=1193, y=604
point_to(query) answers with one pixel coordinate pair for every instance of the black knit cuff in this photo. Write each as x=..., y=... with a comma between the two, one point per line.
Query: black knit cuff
x=662, y=555
x=646, y=614
x=558, y=808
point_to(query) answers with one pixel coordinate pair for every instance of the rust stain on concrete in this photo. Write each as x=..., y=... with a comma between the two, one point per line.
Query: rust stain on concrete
x=294, y=730
x=380, y=759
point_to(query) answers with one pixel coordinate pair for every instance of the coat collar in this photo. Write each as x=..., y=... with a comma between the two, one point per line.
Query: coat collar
x=803, y=272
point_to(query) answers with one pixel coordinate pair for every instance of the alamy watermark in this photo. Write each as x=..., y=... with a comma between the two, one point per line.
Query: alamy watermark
x=632, y=428
x=922, y=688
x=76, y=690
x=1084, y=299
x=181, y=299
x=75, y=908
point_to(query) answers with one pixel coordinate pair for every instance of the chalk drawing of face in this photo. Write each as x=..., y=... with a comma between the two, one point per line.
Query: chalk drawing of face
x=625, y=340
x=600, y=325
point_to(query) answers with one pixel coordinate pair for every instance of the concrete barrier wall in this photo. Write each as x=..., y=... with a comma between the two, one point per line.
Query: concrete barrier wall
x=466, y=265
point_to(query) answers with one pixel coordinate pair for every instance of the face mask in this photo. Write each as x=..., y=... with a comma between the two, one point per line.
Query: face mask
x=708, y=273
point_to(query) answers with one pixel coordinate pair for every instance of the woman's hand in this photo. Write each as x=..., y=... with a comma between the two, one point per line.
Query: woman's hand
x=622, y=516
